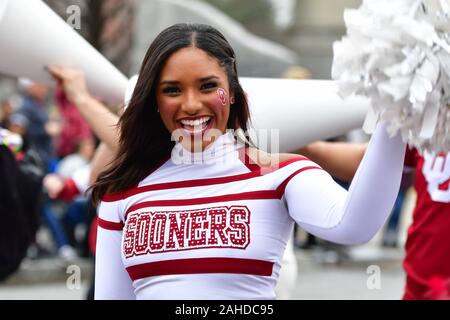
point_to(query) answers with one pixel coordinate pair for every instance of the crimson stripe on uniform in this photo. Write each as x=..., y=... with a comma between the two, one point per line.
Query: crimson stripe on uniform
x=198, y=182
x=189, y=183
x=282, y=187
x=201, y=265
x=247, y=161
x=109, y=225
x=251, y=195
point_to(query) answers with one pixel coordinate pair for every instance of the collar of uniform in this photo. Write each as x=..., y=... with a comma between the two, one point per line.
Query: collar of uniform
x=223, y=149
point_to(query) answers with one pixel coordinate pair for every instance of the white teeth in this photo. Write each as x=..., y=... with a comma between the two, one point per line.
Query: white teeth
x=195, y=122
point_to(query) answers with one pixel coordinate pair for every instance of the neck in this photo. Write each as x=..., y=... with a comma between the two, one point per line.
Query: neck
x=223, y=146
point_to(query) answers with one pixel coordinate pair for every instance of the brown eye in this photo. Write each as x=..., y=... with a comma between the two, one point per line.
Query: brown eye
x=171, y=91
x=208, y=86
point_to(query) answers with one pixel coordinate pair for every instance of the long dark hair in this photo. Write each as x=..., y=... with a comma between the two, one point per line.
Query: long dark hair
x=144, y=140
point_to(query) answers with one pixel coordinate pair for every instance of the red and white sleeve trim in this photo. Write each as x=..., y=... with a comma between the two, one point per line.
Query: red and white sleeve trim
x=110, y=225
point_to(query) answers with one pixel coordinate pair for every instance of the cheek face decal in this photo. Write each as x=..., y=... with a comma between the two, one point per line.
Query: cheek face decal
x=222, y=95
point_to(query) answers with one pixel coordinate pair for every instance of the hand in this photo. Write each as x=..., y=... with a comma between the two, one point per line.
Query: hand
x=54, y=184
x=72, y=82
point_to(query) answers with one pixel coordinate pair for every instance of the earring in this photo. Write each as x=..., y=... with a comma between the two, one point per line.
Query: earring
x=157, y=110
x=232, y=100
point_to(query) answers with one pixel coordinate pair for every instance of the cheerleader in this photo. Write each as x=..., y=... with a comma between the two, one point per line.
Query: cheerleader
x=190, y=209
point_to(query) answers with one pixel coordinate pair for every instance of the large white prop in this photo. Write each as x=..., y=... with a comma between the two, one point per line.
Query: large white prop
x=288, y=114
x=302, y=110
x=32, y=36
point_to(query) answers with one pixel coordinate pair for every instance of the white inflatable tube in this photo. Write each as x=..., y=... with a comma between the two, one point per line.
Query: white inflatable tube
x=302, y=110
x=32, y=36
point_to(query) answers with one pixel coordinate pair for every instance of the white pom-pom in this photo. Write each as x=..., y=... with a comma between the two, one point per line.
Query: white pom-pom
x=397, y=53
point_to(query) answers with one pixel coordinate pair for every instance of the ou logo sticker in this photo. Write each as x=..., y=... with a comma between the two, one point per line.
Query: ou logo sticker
x=436, y=169
x=222, y=95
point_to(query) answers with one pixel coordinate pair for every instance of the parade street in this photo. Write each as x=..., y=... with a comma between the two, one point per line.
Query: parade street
x=318, y=279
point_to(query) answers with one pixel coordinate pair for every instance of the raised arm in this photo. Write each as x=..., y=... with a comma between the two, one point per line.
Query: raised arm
x=323, y=208
x=101, y=120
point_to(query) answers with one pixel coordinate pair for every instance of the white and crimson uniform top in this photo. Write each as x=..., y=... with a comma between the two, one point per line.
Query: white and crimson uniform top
x=427, y=249
x=211, y=225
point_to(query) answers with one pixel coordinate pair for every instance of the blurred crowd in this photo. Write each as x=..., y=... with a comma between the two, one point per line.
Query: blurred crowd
x=47, y=126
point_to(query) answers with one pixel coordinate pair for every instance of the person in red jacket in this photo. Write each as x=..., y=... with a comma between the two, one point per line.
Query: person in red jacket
x=427, y=262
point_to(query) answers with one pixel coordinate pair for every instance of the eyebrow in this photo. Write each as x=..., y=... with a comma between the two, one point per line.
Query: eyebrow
x=172, y=82
x=209, y=78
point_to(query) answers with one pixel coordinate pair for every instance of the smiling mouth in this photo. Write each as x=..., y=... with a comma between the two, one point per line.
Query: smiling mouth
x=196, y=126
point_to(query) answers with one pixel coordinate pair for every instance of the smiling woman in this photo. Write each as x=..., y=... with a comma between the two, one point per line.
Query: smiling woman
x=189, y=211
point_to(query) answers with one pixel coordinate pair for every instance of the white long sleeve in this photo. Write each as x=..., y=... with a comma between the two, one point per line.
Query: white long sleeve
x=111, y=279
x=322, y=207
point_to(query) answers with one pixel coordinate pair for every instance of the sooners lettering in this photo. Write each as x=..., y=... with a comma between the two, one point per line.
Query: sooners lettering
x=218, y=227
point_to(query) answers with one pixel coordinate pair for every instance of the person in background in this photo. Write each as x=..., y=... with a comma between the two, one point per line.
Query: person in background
x=32, y=122
x=33, y=108
x=77, y=186
x=20, y=188
x=74, y=129
x=426, y=262
x=81, y=156
x=6, y=110
x=75, y=212
x=18, y=124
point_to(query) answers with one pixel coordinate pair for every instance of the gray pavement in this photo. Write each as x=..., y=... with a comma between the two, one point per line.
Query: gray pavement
x=49, y=279
x=371, y=273
x=45, y=291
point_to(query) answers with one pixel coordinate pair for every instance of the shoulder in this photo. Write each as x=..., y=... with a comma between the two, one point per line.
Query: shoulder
x=265, y=159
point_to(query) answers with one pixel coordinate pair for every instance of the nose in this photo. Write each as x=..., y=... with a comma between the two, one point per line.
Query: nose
x=192, y=103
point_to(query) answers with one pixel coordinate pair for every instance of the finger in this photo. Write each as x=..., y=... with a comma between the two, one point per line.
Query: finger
x=56, y=74
x=55, y=71
x=53, y=68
